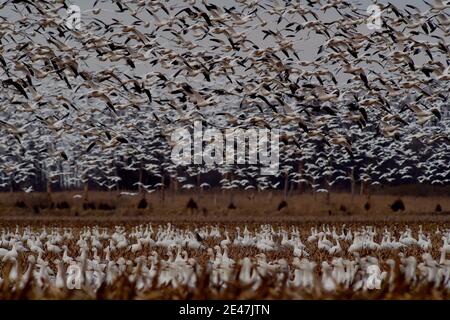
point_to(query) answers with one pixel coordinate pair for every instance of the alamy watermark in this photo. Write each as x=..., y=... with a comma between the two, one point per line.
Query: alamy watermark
x=74, y=277
x=374, y=20
x=73, y=17
x=374, y=278
x=216, y=147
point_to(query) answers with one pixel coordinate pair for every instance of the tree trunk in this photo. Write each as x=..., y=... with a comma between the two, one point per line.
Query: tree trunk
x=86, y=191
x=231, y=196
x=286, y=186
x=300, y=185
x=353, y=185
x=49, y=189
x=141, y=189
x=291, y=189
x=328, y=188
x=198, y=184
x=117, y=174
x=174, y=185
x=162, y=190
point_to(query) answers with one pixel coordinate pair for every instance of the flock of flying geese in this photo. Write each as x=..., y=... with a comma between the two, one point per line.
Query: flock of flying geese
x=167, y=256
x=82, y=101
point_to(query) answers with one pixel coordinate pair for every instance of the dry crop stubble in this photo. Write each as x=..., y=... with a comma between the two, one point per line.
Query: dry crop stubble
x=271, y=286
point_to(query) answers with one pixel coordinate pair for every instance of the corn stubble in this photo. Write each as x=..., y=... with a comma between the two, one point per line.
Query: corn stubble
x=271, y=286
x=270, y=289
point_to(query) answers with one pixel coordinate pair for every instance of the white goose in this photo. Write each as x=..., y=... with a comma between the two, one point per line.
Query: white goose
x=328, y=282
x=12, y=254
x=226, y=241
x=324, y=243
x=335, y=250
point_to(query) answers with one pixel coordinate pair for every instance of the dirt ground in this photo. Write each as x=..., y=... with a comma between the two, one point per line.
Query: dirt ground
x=222, y=206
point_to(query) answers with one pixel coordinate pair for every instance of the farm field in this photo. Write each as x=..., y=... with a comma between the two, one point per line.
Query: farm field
x=82, y=258
x=225, y=150
x=225, y=205
x=217, y=245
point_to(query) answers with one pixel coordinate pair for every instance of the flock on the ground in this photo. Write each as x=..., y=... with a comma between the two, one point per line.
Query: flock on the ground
x=326, y=258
